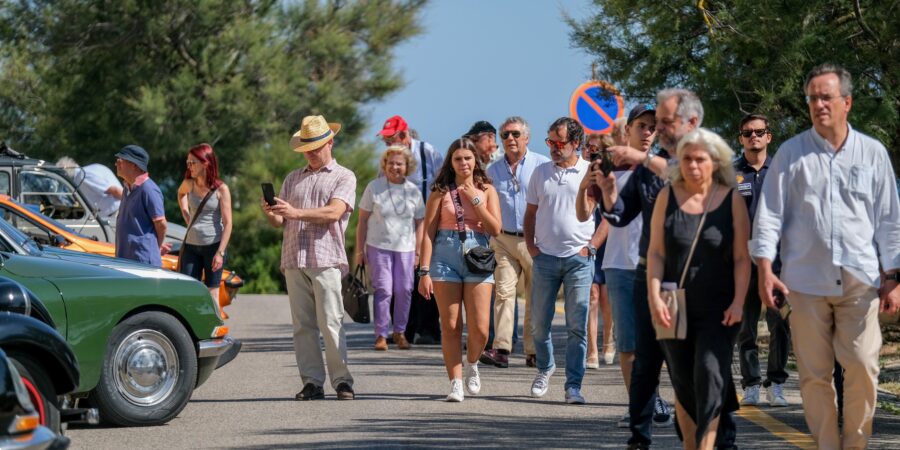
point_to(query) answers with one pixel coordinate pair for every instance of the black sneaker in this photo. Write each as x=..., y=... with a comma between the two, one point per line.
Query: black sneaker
x=344, y=392
x=662, y=414
x=310, y=392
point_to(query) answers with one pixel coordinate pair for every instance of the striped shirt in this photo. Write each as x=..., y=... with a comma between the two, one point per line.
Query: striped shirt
x=310, y=245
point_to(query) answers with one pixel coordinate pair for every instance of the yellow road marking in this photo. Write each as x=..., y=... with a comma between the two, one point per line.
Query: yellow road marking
x=778, y=428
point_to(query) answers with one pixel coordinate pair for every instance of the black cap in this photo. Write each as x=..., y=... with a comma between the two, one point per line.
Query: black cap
x=482, y=126
x=639, y=111
x=135, y=154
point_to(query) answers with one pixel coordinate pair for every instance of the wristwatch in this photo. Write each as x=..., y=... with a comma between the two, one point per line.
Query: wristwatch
x=592, y=251
x=894, y=276
x=221, y=253
x=476, y=201
x=422, y=271
x=650, y=157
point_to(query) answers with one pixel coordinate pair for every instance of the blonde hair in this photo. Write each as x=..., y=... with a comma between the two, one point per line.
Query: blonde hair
x=719, y=151
x=402, y=150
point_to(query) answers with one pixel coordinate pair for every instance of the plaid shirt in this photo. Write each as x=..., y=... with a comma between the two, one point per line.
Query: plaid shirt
x=317, y=245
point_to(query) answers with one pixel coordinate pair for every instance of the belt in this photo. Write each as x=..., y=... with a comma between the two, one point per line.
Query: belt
x=513, y=233
x=642, y=261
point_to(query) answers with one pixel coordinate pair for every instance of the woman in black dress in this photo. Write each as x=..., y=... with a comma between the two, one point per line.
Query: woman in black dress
x=715, y=284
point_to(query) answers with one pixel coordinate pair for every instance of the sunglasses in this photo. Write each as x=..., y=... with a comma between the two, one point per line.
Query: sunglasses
x=559, y=145
x=515, y=134
x=759, y=133
x=814, y=99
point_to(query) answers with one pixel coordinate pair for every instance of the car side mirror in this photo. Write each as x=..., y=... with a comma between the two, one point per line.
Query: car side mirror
x=60, y=240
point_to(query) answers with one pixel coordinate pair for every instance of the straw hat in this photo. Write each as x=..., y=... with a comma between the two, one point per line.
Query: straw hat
x=314, y=133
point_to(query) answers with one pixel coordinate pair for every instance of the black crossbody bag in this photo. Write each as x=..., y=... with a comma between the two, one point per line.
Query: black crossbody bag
x=479, y=259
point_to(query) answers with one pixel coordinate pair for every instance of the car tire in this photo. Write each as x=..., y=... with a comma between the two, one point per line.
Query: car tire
x=40, y=389
x=149, y=371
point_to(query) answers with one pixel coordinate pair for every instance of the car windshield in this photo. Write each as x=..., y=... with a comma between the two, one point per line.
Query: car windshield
x=19, y=238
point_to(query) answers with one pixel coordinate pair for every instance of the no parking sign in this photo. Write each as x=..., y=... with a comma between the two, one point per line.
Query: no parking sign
x=596, y=104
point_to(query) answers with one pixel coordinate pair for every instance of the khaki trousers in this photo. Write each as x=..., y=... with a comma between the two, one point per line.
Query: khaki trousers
x=316, y=306
x=844, y=327
x=513, y=263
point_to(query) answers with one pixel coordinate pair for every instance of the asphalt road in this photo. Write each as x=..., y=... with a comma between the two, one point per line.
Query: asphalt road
x=249, y=403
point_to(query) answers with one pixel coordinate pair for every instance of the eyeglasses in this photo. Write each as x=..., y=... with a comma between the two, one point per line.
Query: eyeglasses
x=759, y=133
x=515, y=134
x=559, y=145
x=813, y=99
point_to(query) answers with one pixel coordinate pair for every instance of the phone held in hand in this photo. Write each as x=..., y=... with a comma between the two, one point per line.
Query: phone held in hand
x=784, y=308
x=269, y=193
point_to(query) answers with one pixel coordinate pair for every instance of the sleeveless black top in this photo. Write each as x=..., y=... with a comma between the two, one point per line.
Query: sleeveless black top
x=709, y=284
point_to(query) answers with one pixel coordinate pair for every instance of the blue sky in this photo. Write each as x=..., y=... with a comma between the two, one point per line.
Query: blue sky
x=487, y=60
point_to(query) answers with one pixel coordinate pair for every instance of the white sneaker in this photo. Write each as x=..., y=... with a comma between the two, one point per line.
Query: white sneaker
x=625, y=421
x=472, y=379
x=456, y=391
x=608, y=358
x=541, y=383
x=751, y=396
x=775, y=395
x=574, y=397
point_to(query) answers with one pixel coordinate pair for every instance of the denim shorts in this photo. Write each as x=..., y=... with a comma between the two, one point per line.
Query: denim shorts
x=620, y=289
x=447, y=263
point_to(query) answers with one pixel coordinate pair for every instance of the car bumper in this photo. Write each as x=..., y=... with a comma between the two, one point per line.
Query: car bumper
x=39, y=439
x=209, y=352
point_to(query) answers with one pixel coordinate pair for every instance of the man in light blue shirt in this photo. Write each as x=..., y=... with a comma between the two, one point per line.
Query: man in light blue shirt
x=510, y=175
x=829, y=196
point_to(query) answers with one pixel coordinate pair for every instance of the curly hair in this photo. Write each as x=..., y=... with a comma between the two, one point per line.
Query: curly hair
x=447, y=176
x=719, y=152
x=399, y=150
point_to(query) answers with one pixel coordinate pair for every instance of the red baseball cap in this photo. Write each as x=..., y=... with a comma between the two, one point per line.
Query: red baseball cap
x=393, y=126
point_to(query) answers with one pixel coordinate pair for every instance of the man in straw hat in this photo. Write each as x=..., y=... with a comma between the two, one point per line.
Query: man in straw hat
x=313, y=207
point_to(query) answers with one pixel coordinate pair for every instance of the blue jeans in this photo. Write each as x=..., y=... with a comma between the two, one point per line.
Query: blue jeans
x=575, y=273
x=620, y=288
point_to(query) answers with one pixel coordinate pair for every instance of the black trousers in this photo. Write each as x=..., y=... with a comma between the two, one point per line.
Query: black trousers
x=748, y=351
x=648, y=359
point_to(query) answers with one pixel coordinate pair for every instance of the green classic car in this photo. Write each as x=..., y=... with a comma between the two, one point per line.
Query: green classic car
x=144, y=337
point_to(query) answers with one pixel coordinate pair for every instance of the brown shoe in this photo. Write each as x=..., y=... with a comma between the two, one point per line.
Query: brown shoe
x=380, y=343
x=401, y=341
x=344, y=391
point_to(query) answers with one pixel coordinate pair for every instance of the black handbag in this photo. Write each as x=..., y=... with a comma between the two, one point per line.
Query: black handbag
x=355, y=293
x=480, y=259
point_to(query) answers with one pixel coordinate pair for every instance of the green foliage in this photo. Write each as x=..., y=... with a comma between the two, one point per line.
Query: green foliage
x=744, y=56
x=85, y=77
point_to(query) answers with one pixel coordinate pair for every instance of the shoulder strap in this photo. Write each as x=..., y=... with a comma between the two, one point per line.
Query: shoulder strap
x=424, y=168
x=687, y=263
x=199, y=208
x=457, y=206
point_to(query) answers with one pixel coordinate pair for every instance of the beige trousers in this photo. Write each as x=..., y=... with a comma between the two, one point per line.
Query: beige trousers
x=317, y=307
x=845, y=328
x=513, y=263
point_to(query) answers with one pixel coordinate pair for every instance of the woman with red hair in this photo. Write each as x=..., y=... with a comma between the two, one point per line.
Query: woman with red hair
x=209, y=232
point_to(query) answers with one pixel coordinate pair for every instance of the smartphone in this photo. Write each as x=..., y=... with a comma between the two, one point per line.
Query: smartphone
x=606, y=163
x=269, y=193
x=784, y=308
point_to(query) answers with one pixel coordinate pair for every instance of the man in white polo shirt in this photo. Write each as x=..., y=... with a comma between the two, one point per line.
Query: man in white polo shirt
x=556, y=241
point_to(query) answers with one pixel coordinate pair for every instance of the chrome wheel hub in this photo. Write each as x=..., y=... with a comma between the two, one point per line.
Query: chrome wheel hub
x=146, y=366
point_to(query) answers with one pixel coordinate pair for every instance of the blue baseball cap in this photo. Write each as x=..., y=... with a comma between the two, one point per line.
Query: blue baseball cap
x=639, y=111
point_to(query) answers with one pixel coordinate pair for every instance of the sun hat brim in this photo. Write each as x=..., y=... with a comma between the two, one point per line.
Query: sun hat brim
x=303, y=145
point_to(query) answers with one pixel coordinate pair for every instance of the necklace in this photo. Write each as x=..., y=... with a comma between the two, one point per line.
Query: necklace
x=403, y=202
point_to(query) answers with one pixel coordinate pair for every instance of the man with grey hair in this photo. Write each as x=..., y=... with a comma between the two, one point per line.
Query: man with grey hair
x=510, y=176
x=829, y=198
x=678, y=111
x=99, y=185
x=618, y=133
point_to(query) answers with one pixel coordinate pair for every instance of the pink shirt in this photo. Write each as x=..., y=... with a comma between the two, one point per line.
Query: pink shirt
x=470, y=217
x=309, y=245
